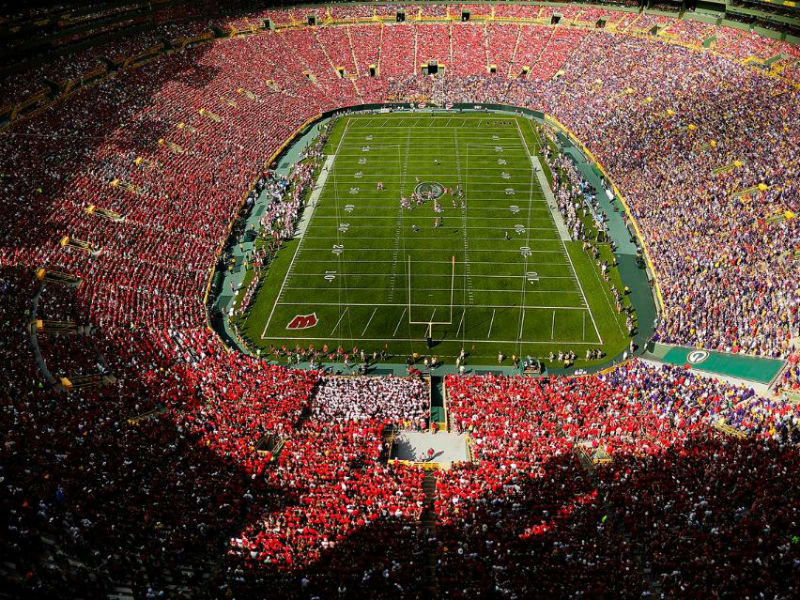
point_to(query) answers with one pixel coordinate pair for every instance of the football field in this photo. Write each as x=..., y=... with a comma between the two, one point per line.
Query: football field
x=435, y=226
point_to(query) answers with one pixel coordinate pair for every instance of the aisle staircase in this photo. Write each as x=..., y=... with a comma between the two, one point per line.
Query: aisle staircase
x=416, y=35
x=352, y=51
x=427, y=534
x=438, y=412
x=514, y=53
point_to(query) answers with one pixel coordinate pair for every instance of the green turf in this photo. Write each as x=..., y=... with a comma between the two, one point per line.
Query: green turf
x=390, y=271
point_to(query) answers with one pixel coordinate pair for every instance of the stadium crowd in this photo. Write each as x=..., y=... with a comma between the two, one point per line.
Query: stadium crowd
x=398, y=399
x=525, y=509
x=158, y=476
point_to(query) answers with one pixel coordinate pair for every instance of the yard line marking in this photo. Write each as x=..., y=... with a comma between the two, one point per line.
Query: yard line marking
x=505, y=184
x=461, y=322
x=586, y=304
x=536, y=137
x=522, y=138
x=433, y=289
x=370, y=320
x=495, y=207
x=521, y=325
x=488, y=335
x=444, y=275
x=473, y=227
x=400, y=321
x=344, y=312
x=383, y=218
x=442, y=304
x=458, y=262
x=466, y=341
x=477, y=129
x=553, y=326
x=437, y=237
x=484, y=250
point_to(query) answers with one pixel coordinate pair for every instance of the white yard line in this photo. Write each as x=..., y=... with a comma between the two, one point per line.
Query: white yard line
x=439, y=275
x=424, y=238
x=491, y=323
x=442, y=163
x=586, y=304
x=472, y=227
x=461, y=321
x=476, y=130
x=466, y=341
x=476, y=251
x=380, y=218
x=464, y=185
x=505, y=183
x=370, y=320
x=440, y=304
x=400, y=322
x=527, y=240
x=438, y=262
x=434, y=289
x=335, y=327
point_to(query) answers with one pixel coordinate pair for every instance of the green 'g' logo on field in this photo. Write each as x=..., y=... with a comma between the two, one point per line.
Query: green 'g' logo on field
x=429, y=189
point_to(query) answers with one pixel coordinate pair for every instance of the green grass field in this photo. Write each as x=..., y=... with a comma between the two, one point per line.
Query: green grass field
x=494, y=276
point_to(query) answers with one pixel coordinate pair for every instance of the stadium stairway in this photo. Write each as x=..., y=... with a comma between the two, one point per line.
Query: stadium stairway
x=427, y=534
x=437, y=401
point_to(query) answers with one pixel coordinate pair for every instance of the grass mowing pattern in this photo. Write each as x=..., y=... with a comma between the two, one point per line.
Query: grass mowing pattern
x=471, y=276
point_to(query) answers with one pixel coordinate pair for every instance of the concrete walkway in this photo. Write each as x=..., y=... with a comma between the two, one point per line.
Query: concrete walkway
x=447, y=447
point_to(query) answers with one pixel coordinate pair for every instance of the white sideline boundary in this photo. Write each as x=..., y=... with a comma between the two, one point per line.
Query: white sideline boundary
x=312, y=204
x=561, y=226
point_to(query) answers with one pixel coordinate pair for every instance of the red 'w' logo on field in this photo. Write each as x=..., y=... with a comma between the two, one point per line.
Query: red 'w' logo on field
x=303, y=322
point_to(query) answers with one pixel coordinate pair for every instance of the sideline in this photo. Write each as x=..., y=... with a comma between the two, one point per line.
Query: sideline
x=305, y=219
